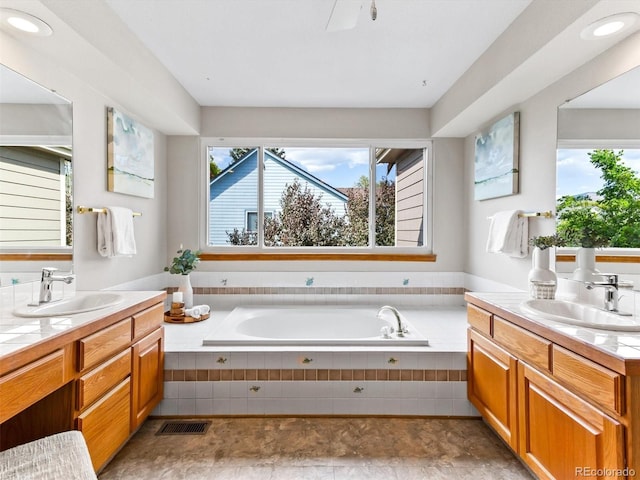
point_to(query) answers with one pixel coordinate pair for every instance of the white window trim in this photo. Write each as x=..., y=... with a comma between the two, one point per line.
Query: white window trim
x=203, y=224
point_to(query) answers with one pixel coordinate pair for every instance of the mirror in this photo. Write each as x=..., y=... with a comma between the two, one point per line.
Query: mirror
x=604, y=118
x=36, y=203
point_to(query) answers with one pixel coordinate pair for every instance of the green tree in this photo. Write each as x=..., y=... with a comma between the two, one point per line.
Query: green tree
x=386, y=213
x=214, y=169
x=611, y=219
x=303, y=221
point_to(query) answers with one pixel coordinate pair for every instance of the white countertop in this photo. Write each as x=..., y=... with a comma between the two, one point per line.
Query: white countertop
x=17, y=333
x=625, y=345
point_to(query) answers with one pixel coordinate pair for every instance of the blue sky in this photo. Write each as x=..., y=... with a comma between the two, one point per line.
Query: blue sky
x=575, y=174
x=339, y=167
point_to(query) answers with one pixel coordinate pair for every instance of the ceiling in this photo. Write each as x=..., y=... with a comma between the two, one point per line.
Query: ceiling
x=277, y=53
x=466, y=61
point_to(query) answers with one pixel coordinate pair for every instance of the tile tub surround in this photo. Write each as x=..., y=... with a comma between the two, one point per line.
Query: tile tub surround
x=320, y=449
x=319, y=380
x=337, y=288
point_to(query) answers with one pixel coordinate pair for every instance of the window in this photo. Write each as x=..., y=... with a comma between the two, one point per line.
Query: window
x=276, y=197
x=598, y=191
x=252, y=220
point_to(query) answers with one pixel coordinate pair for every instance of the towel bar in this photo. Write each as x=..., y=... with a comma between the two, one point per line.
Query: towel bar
x=81, y=209
x=547, y=214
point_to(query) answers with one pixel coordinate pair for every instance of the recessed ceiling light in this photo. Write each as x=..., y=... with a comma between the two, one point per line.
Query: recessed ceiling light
x=609, y=25
x=24, y=22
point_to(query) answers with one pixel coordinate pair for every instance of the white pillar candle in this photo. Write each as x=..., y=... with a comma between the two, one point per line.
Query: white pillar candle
x=177, y=297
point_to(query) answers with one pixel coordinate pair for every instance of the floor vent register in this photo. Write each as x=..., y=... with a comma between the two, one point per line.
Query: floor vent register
x=184, y=428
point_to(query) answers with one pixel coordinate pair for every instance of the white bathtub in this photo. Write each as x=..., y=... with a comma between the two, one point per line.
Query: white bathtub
x=310, y=325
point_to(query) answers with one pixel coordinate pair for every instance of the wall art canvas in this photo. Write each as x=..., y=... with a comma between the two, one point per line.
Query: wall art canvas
x=130, y=159
x=496, y=159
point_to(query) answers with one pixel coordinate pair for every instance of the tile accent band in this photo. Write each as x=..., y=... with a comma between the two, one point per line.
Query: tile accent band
x=309, y=374
x=324, y=290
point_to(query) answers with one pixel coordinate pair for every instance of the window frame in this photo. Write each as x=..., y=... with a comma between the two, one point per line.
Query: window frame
x=371, y=252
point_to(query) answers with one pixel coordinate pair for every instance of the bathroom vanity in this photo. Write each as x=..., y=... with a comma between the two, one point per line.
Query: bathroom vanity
x=564, y=398
x=100, y=372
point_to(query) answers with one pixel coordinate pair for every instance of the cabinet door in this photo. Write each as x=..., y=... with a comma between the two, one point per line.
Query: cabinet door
x=105, y=425
x=148, y=376
x=562, y=436
x=491, y=386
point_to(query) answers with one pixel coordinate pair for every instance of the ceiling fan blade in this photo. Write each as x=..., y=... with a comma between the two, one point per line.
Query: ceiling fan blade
x=344, y=15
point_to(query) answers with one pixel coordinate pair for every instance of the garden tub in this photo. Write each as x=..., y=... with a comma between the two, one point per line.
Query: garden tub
x=312, y=325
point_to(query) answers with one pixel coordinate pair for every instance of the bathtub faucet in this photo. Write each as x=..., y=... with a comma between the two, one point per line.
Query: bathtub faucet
x=401, y=329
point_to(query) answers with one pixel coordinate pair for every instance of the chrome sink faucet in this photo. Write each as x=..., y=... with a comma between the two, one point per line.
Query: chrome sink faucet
x=401, y=329
x=47, y=280
x=611, y=287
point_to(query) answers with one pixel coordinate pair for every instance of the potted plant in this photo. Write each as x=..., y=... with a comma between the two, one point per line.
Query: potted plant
x=542, y=280
x=183, y=265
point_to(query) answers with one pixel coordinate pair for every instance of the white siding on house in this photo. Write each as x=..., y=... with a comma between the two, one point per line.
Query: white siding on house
x=32, y=198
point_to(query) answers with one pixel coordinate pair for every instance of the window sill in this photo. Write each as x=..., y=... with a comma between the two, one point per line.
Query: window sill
x=36, y=257
x=342, y=257
x=602, y=258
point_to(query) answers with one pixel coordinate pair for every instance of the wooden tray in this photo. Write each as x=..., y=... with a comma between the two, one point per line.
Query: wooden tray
x=183, y=318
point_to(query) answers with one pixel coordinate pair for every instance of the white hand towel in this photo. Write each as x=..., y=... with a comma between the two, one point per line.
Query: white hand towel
x=105, y=244
x=115, y=232
x=193, y=312
x=508, y=234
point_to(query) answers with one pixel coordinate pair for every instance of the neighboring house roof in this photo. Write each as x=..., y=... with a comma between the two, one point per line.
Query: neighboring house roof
x=289, y=165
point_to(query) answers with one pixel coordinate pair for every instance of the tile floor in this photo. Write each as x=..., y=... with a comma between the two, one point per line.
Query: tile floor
x=319, y=448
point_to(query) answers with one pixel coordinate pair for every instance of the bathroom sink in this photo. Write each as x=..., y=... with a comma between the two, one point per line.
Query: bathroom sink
x=81, y=302
x=579, y=314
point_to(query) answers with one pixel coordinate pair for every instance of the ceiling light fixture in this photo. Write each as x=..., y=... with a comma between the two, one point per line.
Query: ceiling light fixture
x=24, y=22
x=609, y=25
x=374, y=10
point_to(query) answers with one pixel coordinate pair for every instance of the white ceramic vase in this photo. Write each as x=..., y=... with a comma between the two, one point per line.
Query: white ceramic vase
x=585, y=265
x=540, y=271
x=184, y=286
x=542, y=280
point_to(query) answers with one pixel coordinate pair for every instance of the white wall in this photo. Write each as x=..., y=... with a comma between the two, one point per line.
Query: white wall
x=90, y=175
x=538, y=131
x=599, y=124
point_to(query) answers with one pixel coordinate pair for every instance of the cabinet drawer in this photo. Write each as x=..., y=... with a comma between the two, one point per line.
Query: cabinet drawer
x=479, y=319
x=523, y=344
x=596, y=382
x=103, y=344
x=147, y=320
x=105, y=425
x=27, y=385
x=99, y=380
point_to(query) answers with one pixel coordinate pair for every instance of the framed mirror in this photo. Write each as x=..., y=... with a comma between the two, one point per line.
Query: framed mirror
x=598, y=170
x=36, y=175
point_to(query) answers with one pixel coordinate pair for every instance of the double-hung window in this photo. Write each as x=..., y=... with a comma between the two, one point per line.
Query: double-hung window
x=280, y=196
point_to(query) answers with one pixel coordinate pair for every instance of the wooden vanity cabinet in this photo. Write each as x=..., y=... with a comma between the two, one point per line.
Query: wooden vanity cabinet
x=122, y=368
x=491, y=386
x=102, y=379
x=563, y=414
x=560, y=432
x=148, y=376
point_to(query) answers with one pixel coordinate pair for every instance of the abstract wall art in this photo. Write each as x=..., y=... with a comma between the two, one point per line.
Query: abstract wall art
x=130, y=159
x=496, y=159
